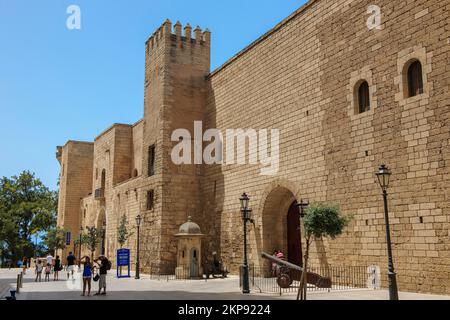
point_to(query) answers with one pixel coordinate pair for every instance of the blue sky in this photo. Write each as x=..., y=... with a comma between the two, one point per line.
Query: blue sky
x=58, y=84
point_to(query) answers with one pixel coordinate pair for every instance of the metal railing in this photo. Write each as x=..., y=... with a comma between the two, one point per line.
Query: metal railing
x=170, y=272
x=342, y=278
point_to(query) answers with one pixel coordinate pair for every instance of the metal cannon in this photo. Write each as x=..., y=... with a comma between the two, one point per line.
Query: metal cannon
x=287, y=272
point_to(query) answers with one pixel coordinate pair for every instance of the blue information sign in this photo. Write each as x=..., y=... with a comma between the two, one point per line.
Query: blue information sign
x=67, y=238
x=123, y=260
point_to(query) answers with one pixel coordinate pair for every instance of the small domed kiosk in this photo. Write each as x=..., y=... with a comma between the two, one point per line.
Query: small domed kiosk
x=189, y=255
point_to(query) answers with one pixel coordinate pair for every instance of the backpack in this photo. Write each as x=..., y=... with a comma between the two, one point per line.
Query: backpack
x=108, y=265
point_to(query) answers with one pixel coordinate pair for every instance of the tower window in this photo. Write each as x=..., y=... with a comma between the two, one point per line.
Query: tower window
x=151, y=160
x=150, y=199
x=415, y=79
x=135, y=173
x=103, y=181
x=363, y=97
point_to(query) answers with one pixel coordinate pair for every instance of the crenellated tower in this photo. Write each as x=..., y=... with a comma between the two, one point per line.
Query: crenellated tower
x=177, y=64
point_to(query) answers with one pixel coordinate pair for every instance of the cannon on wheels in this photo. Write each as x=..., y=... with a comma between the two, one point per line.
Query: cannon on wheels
x=287, y=272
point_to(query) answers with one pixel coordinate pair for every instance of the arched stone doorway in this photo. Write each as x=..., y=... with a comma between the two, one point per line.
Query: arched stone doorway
x=281, y=224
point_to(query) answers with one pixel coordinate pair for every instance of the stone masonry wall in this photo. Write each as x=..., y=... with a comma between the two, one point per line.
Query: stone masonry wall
x=300, y=79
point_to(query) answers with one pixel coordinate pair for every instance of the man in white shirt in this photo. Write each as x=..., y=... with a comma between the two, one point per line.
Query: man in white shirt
x=49, y=259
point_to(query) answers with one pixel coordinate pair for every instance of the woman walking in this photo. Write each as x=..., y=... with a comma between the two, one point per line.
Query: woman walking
x=56, y=268
x=87, y=274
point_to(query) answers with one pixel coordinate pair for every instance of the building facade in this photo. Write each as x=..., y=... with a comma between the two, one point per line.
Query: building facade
x=346, y=94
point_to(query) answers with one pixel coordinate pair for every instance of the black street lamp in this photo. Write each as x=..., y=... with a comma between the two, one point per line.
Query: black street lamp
x=79, y=247
x=383, y=176
x=138, y=224
x=245, y=212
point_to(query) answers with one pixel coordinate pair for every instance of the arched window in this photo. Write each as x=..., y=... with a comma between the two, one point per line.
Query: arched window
x=363, y=97
x=135, y=173
x=415, y=79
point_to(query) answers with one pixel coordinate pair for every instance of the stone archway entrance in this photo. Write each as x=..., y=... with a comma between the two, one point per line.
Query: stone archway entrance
x=281, y=225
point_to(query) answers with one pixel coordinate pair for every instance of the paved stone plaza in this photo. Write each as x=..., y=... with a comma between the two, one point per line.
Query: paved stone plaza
x=146, y=289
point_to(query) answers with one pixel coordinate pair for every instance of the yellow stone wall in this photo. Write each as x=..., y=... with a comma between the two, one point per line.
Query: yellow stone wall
x=299, y=78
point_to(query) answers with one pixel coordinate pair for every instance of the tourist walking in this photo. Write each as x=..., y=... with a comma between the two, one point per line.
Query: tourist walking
x=87, y=274
x=56, y=268
x=104, y=265
x=48, y=269
x=70, y=264
x=39, y=268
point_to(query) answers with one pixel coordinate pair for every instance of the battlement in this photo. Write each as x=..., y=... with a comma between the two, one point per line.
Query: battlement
x=186, y=38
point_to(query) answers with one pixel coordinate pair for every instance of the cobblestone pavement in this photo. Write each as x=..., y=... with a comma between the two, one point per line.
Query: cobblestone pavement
x=146, y=289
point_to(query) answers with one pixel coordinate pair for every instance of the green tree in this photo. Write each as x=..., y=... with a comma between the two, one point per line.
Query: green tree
x=27, y=207
x=122, y=231
x=321, y=220
x=91, y=239
x=55, y=239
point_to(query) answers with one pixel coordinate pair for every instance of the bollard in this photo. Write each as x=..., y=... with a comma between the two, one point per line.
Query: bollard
x=21, y=280
x=18, y=284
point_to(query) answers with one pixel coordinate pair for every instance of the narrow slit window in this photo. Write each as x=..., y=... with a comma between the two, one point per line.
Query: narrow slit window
x=363, y=97
x=151, y=161
x=415, y=79
x=150, y=199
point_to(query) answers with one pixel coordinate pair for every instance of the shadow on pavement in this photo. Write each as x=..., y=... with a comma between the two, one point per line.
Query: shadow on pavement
x=140, y=295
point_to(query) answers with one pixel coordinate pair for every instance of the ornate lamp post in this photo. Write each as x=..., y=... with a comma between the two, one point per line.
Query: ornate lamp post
x=138, y=224
x=79, y=247
x=245, y=212
x=383, y=176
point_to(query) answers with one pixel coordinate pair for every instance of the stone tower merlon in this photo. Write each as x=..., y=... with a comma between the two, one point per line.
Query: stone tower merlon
x=175, y=34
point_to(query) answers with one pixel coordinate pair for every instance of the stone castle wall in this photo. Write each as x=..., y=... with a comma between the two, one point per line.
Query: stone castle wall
x=299, y=78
